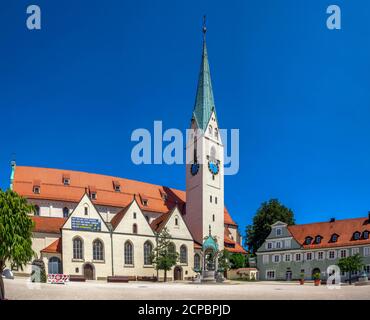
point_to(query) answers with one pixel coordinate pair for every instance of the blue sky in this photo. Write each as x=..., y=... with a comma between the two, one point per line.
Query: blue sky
x=71, y=93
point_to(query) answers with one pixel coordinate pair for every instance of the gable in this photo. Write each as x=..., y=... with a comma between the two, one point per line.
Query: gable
x=177, y=226
x=85, y=217
x=128, y=217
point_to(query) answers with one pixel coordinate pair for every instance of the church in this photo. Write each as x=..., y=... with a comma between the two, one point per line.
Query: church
x=96, y=226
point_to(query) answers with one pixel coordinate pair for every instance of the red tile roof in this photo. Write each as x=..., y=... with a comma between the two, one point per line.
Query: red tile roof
x=52, y=188
x=48, y=225
x=343, y=228
x=55, y=247
x=230, y=244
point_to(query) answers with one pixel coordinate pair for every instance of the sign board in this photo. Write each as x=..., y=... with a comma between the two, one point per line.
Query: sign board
x=86, y=224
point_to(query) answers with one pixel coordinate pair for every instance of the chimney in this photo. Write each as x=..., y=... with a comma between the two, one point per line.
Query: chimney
x=332, y=219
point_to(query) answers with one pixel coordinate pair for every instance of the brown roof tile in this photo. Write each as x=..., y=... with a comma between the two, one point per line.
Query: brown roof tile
x=54, y=189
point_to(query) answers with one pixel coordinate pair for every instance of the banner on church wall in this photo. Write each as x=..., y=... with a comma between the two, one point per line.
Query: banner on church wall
x=86, y=224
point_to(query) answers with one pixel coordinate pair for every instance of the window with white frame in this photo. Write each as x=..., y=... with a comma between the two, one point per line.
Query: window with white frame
x=320, y=255
x=367, y=251
x=270, y=274
x=343, y=253
x=278, y=231
x=298, y=257
x=269, y=245
x=287, y=257
x=309, y=256
x=355, y=251
x=265, y=259
x=278, y=245
x=276, y=258
x=331, y=254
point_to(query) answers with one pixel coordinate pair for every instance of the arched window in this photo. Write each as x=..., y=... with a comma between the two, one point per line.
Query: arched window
x=216, y=133
x=37, y=210
x=65, y=212
x=129, y=253
x=78, y=249
x=176, y=221
x=134, y=228
x=98, y=250
x=183, y=254
x=356, y=235
x=148, y=247
x=196, y=262
x=334, y=238
x=308, y=240
x=365, y=235
x=86, y=210
x=318, y=239
x=210, y=129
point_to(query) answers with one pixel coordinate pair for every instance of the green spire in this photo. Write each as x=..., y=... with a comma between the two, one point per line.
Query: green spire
x=204, y=102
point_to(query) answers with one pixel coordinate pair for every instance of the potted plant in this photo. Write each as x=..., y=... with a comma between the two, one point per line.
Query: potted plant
x=316, y=278
x=301, y=279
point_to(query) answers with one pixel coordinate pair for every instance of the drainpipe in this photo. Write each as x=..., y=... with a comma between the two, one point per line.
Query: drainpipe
x=111, y=251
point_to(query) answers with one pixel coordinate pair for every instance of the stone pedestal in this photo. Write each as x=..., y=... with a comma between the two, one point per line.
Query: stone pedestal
x=208, y=276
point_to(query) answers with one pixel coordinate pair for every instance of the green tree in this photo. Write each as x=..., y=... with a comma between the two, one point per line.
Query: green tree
x=268, y=213
x=224, y=260
x=15, y=232
x=350, y=264
x=238, y=260
x=164, y=256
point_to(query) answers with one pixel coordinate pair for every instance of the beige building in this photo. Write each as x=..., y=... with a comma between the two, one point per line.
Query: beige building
x=98, y=226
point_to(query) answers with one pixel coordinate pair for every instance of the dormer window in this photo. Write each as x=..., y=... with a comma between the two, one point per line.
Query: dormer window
x=334, y=238
x=66, y=180
x=144, y=200
x=117, y=186
x=308, y=240
x=279, y=231
x=163, y=195
x=93, y=193
x=356, y=235
x=36, y=187
x=318, y=239
x=365, y=235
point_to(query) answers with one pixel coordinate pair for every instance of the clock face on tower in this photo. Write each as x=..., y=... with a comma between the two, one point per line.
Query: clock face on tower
x=194, y=169
x=213, y=167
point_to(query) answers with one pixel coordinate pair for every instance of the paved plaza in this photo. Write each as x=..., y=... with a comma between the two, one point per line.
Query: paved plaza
x=22, y=288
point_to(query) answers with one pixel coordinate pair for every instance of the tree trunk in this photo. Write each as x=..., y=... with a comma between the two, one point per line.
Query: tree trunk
x=2, y=288
x=165, y=275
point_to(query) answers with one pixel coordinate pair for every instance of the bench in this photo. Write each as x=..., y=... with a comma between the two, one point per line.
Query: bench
x=118, y=279
x=145, y=278
x=77, y=278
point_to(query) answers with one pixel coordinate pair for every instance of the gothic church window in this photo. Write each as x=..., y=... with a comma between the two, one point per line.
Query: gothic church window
x=183, y=254
x=129, y=253
x=148, y=247
x=78, y=249
x=98, y=250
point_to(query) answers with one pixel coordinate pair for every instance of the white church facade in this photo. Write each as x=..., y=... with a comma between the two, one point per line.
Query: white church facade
x=98, y=226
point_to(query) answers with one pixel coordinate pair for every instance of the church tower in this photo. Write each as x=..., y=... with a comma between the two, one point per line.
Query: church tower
x=204, y=162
